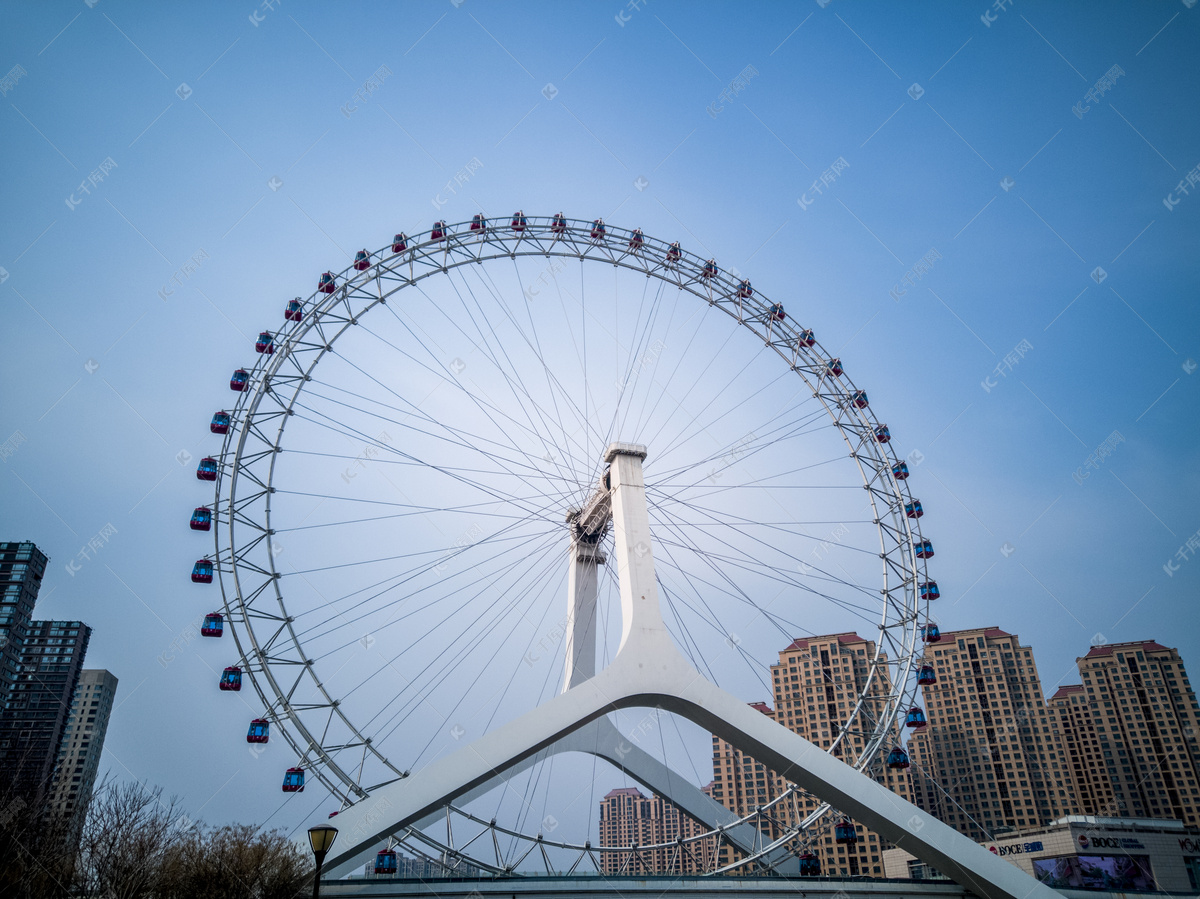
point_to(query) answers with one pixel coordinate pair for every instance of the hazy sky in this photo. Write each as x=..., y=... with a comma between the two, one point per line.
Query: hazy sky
x=985, y=210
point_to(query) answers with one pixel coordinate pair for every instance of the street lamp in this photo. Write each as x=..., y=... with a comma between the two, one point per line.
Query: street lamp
x=321, y=839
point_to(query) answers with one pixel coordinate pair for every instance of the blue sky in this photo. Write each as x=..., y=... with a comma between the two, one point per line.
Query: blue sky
x=963, y=134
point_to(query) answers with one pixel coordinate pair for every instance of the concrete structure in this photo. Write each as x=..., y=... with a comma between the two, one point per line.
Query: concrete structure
x=815, y=682
x=1087, y=852
x=83, y=741
x=1082, y=763
x=1143, y=730
x=649, y=671
x=628, y=818
x=988, y=760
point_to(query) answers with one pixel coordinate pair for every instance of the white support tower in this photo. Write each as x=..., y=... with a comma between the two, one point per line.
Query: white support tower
x=649, y=671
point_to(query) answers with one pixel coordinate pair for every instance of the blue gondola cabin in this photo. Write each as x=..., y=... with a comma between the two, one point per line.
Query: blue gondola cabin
x=900, y=471
x=844, y=833
x=327, y=284
x=265, y=343
x=362, y=261
x=293, y=780
x=597, y=229
x=558, y=224
x=930, y=633
x=833, y=368
x=213, y=625
x=913, y=509
x=207, y=469
x=239, y=380
x=438, y=232
x=400, y=243
x=776, y=312
x=201, y=519
x=231, y=678
x=674, y=254
x=929, y=590
x=915, y=718
x=745, y=291
x=810, y=865
x=259, y=732
x=519, y=222
x=897, y=759
x=806, y=338
x=294, y=311
x=924, y=549
x=385, y=862
x=478, y=222
x=709, y=270
x=926, y=677
x=219, y=423
x=202, y=572
x=882, y=434
x=859, y=399
x=636, y=240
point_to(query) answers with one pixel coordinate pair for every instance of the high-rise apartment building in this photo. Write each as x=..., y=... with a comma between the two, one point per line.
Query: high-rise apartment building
x=816, y=682
x=40, y=663
x=987, y=762
x=83, y=741
x=630, y=819
x=1144, y=728
x=1084, y=774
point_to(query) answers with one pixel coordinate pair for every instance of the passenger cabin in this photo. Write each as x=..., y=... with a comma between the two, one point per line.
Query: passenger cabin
x=293, y=780
x=674, y=254
x=259, y=732
x=806, y=338
x=636, y=240
x=897, y=759
x=231, y=678
x=294, y=311
x=362, y=261
x=213, y=626
x=201, y=519
x=400, y=243
x=207, y=469
x=929, y=590
x=327, y=284
x=478, y=223
x=926, y=677
x=844, y=833
x=913, y=509
x=709, y=270
x=438, y=232
x=265, y=343
x=385, y=862
x=930, y=633
x=202, y=572
x=882, y=434
x=924, y=549
x=239, y=380
x=219, y=423
x=776, y=313
x=558, y=225
x=915, y=717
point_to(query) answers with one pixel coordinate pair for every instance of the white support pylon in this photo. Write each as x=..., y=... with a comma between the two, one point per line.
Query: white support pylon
x=649, y=671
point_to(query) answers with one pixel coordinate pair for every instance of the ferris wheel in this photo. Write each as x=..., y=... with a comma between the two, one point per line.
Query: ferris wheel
x=418, y=468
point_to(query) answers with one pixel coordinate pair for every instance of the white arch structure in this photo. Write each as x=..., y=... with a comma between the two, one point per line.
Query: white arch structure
x=649, y=671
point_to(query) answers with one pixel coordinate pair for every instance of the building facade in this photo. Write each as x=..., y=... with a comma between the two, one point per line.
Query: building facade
x=83, y=741
x=988, y=761
x=1144, y=722
x=1088, y=852
x=1082, y=762
x=816, y=683
x=630, y=820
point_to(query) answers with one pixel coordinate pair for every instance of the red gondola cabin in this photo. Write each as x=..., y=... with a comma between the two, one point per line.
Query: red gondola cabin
x=776, y=312
x=859, y=399
x=558, y=225
x=897, y=759
x=833, y=368
x=915, y=718
x=213, y=626
x=597, y=229
x=202, y=572
x=265, y=343
x=438, y=232
x=929, y=590
x=259, y=732
x=362, y=261
x=930, y=633
x=478, y=223
x=674, y=254
x=882, y=434
x=924, y=549
x=810, y=865
x=293, y=780
x=519, y=222
x=806, y=338
x=913, y=509
x=201, y=519
x=294, y=311
x=231, y=678
x=709, y=270
x=400, y=243
x=207, y=469
x=327, y=284
x=844, y=833
x=926, y=677
x=900, y=471
x=745, y=291
x=219, y=423
x=636, y=240
x=239, y=380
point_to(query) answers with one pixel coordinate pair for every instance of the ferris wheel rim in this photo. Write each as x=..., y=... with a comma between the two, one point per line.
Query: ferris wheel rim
x=458, y=246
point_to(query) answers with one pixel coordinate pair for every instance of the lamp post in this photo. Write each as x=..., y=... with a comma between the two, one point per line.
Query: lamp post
x=321, y=839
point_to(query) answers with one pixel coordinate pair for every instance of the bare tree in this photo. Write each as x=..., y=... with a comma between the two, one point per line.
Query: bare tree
x=237, y=861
